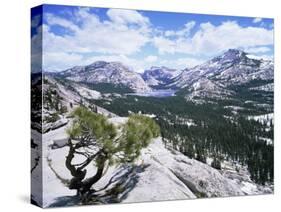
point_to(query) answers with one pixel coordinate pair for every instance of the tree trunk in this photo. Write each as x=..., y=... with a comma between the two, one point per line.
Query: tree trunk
x=87, y=184
x=86, y=191
x=78, y=175
x=77, y=182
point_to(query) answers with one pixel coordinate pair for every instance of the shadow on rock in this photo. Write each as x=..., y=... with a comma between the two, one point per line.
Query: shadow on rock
x=116, y=190
x=66, y=201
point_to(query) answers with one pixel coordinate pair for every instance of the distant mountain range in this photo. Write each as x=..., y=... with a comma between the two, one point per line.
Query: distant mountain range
x=159, y=76
x=212, y=78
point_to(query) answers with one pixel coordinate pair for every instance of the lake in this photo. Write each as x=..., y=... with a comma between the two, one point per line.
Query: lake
x=156, y=93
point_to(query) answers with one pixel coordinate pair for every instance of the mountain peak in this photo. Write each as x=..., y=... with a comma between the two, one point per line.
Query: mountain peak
x=98, y=64
x=104, y=64
x=234, y=53
x=158, y=67
x=231, y=55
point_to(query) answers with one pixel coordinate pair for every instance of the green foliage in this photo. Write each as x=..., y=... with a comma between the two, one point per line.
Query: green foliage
x=216, y=163
x=36, y=98
x=92, y=124
x=63, y=109
x=115, y=146
x=51, y=118
x=52, y=100
x=137, y=134
x=243, y=93
x=200, y=155
x=45, y=81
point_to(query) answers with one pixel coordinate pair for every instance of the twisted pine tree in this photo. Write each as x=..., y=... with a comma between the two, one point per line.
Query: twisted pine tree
x=94, y=137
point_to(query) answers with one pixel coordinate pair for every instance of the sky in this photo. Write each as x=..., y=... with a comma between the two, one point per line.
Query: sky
x=74, y=36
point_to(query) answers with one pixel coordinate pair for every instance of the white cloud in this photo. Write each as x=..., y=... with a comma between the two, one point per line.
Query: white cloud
x=35, y=21
x=257, y=50
x=211, y=39
x=151, y=58
x=265, y=57
x=164, y=45
x=188, y=62
x=55, y=61
x=127, y=31
x=169, y=33
x=55, y=20
x=181, y=63
x=182, y=32
x=121, y=16
x=93, y=35
x=257, y=20
x=36, y=50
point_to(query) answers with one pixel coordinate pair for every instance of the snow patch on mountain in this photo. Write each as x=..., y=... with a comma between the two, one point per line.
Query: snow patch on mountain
x=159, y=75
x=106, y=72
x=88, y=93
x=207, y=88
x=214, y=77
x=267, y=87
x=263, y=119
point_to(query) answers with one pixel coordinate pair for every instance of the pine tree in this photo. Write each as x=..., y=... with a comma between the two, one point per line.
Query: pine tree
x=93, y=131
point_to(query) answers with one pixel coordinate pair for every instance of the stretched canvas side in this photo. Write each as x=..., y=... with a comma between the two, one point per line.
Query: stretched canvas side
x=36, y=107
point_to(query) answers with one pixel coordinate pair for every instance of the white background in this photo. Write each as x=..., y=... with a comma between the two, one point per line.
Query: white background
x=15, y=104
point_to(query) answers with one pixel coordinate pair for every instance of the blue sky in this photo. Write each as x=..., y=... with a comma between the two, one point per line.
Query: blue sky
x=140, y=39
